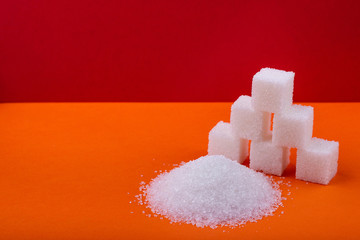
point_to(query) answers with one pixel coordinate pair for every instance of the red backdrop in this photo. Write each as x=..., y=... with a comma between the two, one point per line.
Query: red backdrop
x=105, y=50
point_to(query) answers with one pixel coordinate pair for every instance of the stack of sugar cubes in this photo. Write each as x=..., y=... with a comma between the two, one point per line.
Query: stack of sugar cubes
x=272, y=92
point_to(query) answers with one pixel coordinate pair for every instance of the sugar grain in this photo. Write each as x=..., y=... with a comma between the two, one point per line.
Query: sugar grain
x=212, y=191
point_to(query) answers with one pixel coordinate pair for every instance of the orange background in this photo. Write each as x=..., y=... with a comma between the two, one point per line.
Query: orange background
x=69, y=171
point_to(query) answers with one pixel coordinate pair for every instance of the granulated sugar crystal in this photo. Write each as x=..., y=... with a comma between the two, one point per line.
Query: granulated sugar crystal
x=212, y=191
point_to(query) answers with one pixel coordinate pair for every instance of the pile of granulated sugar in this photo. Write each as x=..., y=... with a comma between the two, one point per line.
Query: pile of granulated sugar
x=212, y=191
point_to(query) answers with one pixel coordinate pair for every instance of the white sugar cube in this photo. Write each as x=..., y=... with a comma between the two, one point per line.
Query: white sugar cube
x=266, y=157
x=223, y=141
x=293, y=127
x=318, y=162
x=272, y=90
x=248, y=123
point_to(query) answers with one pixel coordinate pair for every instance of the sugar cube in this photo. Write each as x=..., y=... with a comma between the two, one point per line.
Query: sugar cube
x=248, y=123
x=293, y=127
x=318, y=162
x=266, y=157
x=272, y=90
x=223, y=141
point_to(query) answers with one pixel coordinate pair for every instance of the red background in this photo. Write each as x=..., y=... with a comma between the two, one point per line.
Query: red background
x=83, y=50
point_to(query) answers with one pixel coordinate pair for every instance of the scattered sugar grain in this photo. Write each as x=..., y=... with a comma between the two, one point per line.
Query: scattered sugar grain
x=212, y=191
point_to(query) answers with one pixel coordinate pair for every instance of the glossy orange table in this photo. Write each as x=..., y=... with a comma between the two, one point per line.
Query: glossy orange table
x=69, y=171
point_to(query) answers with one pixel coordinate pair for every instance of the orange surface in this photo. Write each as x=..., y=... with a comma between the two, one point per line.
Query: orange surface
x=69, y=171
